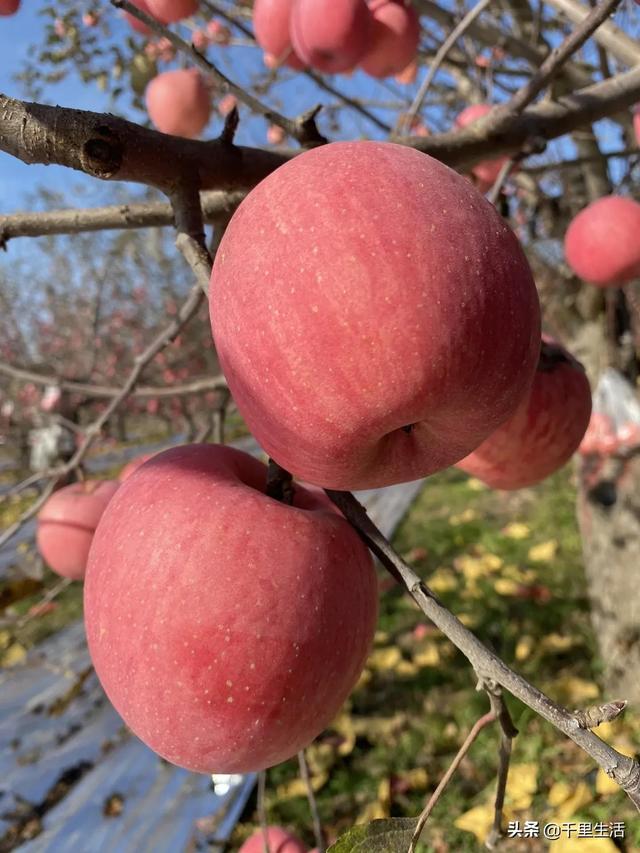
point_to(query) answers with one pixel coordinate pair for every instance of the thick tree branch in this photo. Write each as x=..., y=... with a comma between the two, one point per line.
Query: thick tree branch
x=196, y=386
x=215, y=205
x=114, y=149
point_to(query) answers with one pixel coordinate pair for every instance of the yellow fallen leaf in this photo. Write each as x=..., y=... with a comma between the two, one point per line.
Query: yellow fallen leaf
x=559, y=793
x=365, y=678
x=381, y=729
x=522, y=785
x=476, y=485
x=468, y=620
x=544, y=552
x=343, y=724
x=381, y=638
x=463, y=517
x=417, y=779
x=14, y=655
x=583, y=845
x=524, y=647
x=320, y=757
x=577, y=689
x=605, y=786
x=506, y=586
x=379, y=809
x=427, y=655
x=477, y=820
x=516, y=530
x=492, y=561
x=5, y=639
x=518, y=574
x=556, y=643
x=406, y=667
x=473, y=568
x=442, y=580
x=297, y=788
x=580, y=796
x=385, y=659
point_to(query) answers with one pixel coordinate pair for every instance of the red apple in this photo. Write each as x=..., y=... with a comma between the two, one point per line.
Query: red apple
x=364, y=344
x=280, y=841
x=133, y=465
x=271, y=28
x=134, y=22
x=178, y=102
x=544, y=432
x=332, y=36
x=226, y=627
x=394, y=38
x=602, y=243
x=170, y=11
x=9, y=7
x=486, y=172
x=66, y=524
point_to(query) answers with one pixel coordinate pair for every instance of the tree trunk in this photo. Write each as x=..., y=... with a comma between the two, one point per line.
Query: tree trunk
x=609, y=518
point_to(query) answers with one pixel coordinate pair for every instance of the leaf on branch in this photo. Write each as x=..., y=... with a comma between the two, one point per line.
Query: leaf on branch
x=380, y=836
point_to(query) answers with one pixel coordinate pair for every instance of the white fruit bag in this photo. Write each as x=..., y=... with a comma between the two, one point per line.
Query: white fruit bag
x=615, y=421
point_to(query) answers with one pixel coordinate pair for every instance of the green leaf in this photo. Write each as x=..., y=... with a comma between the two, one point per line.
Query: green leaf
x=379, y=836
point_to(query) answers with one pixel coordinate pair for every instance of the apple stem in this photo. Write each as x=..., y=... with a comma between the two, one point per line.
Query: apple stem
x=279, y=483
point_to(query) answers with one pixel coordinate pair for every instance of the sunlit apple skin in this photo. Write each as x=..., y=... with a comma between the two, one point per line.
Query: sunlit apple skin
x=133, y=466
x=9, y=7
x=545, y=431
x=226, y=628
x=170, y=11
x=394, y=38
x=376, y=319
x=280, y=841
x=271, y=28
x=178, y=102
x=67, y=522
x=330, y=37
x=487, y=171
x=602, y=243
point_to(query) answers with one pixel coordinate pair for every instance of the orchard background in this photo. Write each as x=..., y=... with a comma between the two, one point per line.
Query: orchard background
x=101, y=312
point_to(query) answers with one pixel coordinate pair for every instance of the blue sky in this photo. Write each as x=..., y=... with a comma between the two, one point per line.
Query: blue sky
x=19, y=181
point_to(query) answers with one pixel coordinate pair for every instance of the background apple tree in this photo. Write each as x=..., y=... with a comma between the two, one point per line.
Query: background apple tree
x=106, y=310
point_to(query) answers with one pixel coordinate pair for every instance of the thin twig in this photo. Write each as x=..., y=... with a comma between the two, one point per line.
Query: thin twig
x=405, y=122
x=507, y=733
x=559, y=55
x=303, y=132
x=480, y=724
x=313, y=805
x=488, y=666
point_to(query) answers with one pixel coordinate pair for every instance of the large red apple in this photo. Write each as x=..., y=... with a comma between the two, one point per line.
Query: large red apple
x=331, y=36
x=280, y=841
x=602, y=243
x=545, y=431
x=271, y=28
x=375, y=317
x=178, y=102
x=66, y=524
x=170, y=11
x=9, y=7
x=487, y=171
x=226, y=628
x=394, y=38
